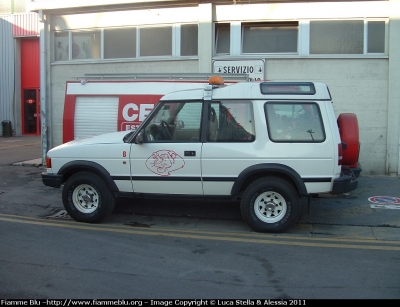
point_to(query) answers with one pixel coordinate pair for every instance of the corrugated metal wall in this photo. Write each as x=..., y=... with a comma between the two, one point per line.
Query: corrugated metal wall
x=13, y=27
x=26, y=25
x=7, y=70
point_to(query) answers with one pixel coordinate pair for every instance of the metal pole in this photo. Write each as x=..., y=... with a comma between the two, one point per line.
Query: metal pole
x=43, y=87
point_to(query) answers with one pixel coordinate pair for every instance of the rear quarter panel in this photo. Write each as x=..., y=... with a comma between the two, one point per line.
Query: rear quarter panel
x=314, y=162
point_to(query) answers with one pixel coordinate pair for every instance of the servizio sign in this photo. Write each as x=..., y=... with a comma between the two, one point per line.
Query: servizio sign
x=254, y=68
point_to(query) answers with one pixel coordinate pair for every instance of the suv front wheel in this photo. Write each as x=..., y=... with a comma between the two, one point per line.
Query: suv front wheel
x=270, y=204
x=87, y=198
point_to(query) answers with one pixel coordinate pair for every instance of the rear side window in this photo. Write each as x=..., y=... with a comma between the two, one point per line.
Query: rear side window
x=294, y=122
x=230, y=121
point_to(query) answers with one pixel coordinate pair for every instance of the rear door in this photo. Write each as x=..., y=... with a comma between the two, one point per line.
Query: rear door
x=229, y=147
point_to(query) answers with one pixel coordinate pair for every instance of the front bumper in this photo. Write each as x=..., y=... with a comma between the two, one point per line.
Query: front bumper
x=347, y=182
x=52, y=180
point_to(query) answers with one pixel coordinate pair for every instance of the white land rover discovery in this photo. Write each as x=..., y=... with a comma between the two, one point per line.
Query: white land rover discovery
x=265, y=143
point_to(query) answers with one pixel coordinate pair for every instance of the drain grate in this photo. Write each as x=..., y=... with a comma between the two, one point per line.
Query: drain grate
x=57, y=214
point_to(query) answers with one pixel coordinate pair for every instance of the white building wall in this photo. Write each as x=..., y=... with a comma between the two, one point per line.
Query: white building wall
x=357, y=86
x=130, y=18
x=366, y=85
x=205, y=37
x=296, y=11
x=393, y=148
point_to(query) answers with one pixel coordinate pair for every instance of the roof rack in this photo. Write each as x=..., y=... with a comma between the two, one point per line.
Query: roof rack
x=162, y=76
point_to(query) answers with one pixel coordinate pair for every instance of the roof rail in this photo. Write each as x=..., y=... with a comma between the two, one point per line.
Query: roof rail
x=163, y=76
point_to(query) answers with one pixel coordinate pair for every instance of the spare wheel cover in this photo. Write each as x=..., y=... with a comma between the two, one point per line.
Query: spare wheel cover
x=348, y=128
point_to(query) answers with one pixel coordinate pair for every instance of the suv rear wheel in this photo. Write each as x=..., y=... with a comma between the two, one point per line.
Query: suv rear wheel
x=270, y=204
x=87, y=198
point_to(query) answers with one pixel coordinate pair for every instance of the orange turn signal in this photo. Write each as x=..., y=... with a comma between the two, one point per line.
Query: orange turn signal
x=48, y=162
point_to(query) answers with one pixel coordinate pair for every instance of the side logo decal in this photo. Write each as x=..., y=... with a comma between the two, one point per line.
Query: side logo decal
x=163, y=162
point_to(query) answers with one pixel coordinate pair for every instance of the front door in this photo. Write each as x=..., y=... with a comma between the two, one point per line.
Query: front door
x=31, y=111
x=167, y=161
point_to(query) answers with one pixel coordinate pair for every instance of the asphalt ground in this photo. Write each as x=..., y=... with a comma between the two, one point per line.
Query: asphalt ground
x=372, y=211
x=21, y=150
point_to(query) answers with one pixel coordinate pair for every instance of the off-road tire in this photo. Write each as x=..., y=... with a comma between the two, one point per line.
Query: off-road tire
x=270, y=204
x=87, y=198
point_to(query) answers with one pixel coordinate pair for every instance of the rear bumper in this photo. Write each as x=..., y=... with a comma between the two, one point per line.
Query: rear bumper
x=347, y=182
x=52, y=180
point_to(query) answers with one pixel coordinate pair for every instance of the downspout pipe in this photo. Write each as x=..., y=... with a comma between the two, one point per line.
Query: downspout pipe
x=43, y=86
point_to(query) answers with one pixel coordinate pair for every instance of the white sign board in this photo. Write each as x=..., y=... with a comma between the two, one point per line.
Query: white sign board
x=254, y=68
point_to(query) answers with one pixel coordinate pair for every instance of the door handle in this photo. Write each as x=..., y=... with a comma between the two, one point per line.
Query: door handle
x=190, y=153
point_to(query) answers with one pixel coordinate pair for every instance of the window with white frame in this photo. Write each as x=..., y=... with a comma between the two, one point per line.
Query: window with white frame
x=270, y=37
x=86, y=44
x=347, y=36
x=156, y=41
x=120, y=43
x=222, y=38
x=336, y=36
x=321, y=37
x=376, y=36
x=61, y=46
x=189, y=39
x=77, y=45
x=127, y=42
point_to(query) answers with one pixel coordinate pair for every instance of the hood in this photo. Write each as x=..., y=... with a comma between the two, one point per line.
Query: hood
x=107, y=138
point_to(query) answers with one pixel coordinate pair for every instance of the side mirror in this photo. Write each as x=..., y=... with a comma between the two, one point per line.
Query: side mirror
x=139, y=138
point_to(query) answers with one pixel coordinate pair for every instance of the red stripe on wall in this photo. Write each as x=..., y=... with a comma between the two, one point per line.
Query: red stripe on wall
x=68, y=118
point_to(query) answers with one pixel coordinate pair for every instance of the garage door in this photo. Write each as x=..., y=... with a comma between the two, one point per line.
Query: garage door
x=95, y=115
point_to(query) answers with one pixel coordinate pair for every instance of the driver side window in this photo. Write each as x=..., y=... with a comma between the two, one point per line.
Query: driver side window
x=175, y=122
